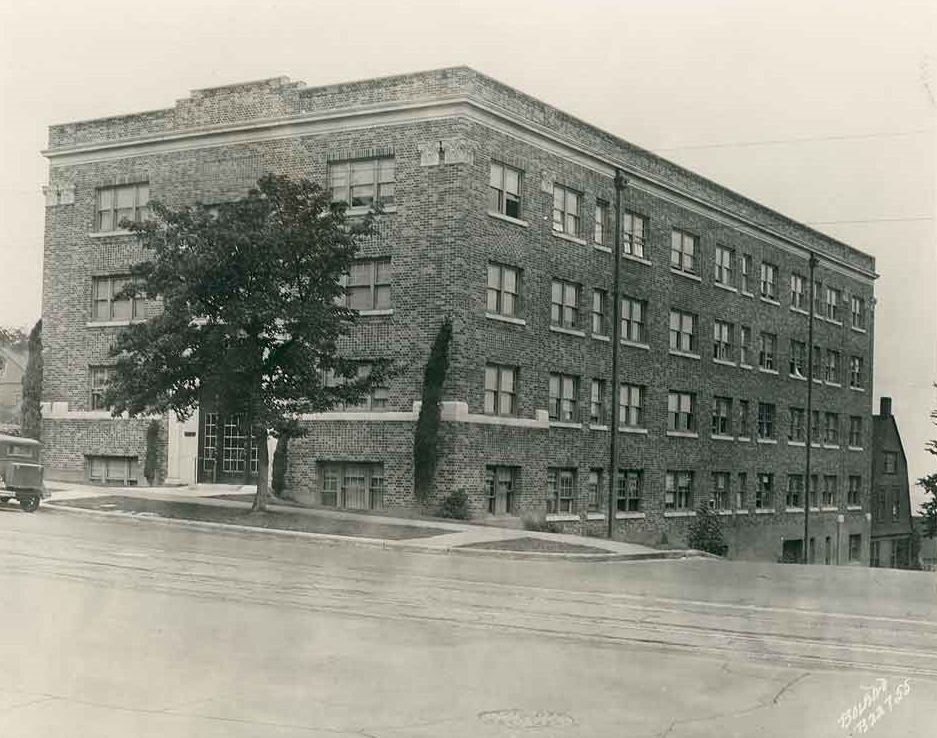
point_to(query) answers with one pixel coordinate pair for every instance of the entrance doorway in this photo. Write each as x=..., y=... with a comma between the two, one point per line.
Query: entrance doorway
x=792, y=551
x=222, y=444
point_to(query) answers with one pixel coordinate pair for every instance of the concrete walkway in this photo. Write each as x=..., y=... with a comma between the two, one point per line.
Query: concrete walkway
x=458, y=534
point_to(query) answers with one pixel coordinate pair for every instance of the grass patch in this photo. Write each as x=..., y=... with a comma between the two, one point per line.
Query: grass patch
x=535, y=544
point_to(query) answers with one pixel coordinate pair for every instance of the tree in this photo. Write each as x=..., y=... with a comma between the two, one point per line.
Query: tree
x=251, y=312
x=425, y=439
x=705, y=533
x=31, y=410
x=929, y=507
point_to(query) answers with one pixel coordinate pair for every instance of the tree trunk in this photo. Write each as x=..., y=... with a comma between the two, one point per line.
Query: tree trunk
x=260, y=498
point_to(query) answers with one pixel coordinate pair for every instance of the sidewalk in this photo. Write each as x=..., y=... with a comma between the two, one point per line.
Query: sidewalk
x=202, y=506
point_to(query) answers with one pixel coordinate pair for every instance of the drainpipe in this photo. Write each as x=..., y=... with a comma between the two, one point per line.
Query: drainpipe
x=813, y=266
x=620, y=183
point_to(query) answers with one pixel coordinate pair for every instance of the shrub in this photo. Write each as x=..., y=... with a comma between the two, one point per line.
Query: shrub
x=705, y=532
x=540, y=524
x=455, y=505
x=427, y=426
x=278, y=473
x=150, y=461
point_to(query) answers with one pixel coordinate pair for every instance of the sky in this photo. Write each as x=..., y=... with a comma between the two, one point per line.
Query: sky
x=825, y=110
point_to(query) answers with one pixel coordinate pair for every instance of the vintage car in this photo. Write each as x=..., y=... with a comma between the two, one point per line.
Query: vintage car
x=21, y=472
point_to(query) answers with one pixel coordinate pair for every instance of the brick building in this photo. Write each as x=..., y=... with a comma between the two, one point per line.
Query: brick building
x=890, y=493
x=500, y=212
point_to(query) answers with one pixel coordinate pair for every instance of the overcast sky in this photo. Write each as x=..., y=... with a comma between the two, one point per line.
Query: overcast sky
x=824, y=110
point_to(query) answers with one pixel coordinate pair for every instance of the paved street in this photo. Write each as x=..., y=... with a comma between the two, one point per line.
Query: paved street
x=119, y=628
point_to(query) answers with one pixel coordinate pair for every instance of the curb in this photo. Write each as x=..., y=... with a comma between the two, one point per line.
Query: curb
x=378, y=543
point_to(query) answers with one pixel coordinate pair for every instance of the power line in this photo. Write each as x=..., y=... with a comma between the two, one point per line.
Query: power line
x=810, y=139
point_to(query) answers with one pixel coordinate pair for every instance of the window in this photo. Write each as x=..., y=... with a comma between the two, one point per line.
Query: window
x=724, y=266
x=813, y=490
x=601, y=231
x=764, y=491
x=745, y=345
x=795, y=490
x=117, y=470
x=895, y=507
x=765, y=420
x=855, y=431
x=683, y=331
x=855, y=372
x=831, y=428
x=375, y=400
x=597, y=413
x=500, y=486
x=722, y=416
x=797, y=291
x=853, y=491
x=769, y=281
x=683, y=252
x=566, y=210
x=681, y=412
x=594, y=488
x=829, y=490
x=797, y=424
x=363, y=183
x=857, y=305
x=633, y=326
x=354, y=486
x=630, y=490
x=890, y=462
x=741, y=503
x=745, y=275
x=832, y=367
x=833, y=299
x=500, y=389
x=504, y=191
x=855, y=546
x=564, y=390
x=767, y=351
x=722, y=340
x=367, y=285
x=20, y=451
x=101, y=377
x=634, y=233
x=720, y=499
x=503, y=290
x=561, y=490
x=600, y=312
x=564, y=304
x=798, y=366
x=116, y=204
x=818, y=298
x=744, y=431
x=678, y=490
x=817, y=363
x=815, y=426
x=108, y=306
x=631, y=405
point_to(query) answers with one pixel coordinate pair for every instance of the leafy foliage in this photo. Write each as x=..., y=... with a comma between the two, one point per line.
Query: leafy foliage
x=32, y=386
x=251, y=314
x=280, y=460
x=928, y=508
x=705, y=533
x=455, y=505
x=426, y=438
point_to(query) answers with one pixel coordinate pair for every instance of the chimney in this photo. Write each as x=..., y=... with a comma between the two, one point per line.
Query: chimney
x=885, y=410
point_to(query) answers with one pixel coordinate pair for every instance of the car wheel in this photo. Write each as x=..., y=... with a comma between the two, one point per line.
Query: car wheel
x=29, y=503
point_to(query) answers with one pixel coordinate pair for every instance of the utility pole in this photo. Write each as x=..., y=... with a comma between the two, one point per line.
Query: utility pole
x=809, y=419
x=620, y=183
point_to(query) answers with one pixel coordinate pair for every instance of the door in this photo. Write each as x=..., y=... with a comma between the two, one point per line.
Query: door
x=222, y=449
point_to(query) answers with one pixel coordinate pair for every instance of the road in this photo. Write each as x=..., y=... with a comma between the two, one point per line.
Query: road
x=119, y=628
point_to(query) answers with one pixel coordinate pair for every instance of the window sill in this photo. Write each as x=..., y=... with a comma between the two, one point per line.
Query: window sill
x=629, y=515
x=768, y=371
x=798, y=377
x=362, y=210
x=831, y=446
x=565, y=424
x=687, y=275
x=769, y=300
x=375, y=313
x=509, y=219
x=639, y=260
x=727, y=288
x=632, y=429
x=684, y=354
x=568, y=331
x=634, y=344
x=854, y=508
x=855, y=448
x=858, y=330
x=722, y=512
x=828, y=508
x=110, y=234
x=113, y=323
x=831, y=321
x=598, y=427
x=740, y=512
x=744, y=439
x=801, y=444
x=562, y=517
x=720, y=437
x=600, y=247
x=745, y=366
x=506, y=319
x=833, y=384
x=744, y=293
x=769, y=441
x=600, y=337
x=681, y=434
x=572, y=239
x=799, y=310
x=595, y=516
x=857, y=389
x=679, y=513
x=724, y=362
x=794, y=510
x=765, y=511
